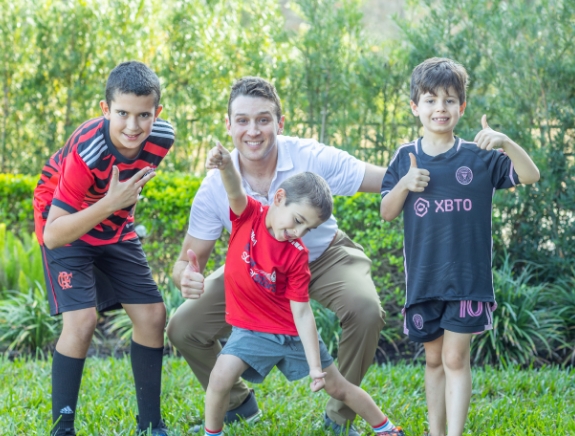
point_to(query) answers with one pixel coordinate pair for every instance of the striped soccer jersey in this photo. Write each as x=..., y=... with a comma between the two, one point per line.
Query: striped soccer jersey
x=78, y=175
x=447, y=227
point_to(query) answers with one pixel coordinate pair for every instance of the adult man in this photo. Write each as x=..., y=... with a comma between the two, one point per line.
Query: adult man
x=341, y=279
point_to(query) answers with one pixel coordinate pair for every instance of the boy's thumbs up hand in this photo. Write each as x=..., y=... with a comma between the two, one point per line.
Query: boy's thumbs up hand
x=218, y=157
x=413, y=160
x=416, y=179
x=484, y=124
x=488, y=139
x=192, y=282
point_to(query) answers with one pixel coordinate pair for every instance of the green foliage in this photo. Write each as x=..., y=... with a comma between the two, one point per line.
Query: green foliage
x=560, y=297
x=526, y=330
x=20, y=261
x=510, y=401
x=25, y=321
x=16, y=192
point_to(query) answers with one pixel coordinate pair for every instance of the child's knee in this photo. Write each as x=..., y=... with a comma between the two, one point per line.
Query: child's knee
x=154, y=317
x=456, y=360
x=80, y=323
x=219, y=384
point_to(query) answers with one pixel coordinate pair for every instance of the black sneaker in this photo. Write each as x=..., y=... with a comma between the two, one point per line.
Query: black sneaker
x=159, y=430
x=248, y=411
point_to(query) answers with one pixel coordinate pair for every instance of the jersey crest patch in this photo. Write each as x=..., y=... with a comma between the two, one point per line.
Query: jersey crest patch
x=464, y=175
x=65, y=280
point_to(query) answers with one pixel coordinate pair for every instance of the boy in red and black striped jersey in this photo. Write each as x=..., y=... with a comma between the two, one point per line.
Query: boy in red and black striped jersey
x=84, y=215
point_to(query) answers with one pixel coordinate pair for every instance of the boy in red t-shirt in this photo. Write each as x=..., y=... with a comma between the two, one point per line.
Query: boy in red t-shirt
x=267, y=302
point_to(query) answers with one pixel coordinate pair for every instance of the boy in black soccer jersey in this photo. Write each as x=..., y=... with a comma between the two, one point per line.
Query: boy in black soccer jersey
x=84, y=215
x=445, y=185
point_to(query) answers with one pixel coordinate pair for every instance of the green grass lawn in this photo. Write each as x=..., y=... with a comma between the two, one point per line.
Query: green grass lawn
x=504, y=402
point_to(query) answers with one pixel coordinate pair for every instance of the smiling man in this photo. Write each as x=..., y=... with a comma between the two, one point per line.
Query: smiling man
x=340, y=271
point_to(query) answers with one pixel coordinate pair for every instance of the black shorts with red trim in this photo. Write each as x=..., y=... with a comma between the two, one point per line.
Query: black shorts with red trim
x=425, y=322
x=104, y=277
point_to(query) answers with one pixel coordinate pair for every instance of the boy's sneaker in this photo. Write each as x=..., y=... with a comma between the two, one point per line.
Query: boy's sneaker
x=159, y=430
x=339, y=429
x=397, y=431
x=248, y=411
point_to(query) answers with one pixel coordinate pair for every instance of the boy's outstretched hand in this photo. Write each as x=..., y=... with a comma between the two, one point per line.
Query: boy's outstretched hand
x=218, y=158
x=125, y=194
x=487, y=138
x=192, y=281
x=318, y=379
x=416, y=179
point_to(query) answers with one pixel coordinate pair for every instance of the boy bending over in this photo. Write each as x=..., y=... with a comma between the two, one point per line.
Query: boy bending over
x=84, y=215
x=267, y=301
x=445, y=186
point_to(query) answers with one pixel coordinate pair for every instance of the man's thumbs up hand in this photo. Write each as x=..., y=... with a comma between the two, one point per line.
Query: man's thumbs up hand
x=192, y=282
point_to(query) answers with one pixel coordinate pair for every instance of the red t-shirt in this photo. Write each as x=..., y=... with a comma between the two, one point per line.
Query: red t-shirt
x=263, y=274
x=78, y=175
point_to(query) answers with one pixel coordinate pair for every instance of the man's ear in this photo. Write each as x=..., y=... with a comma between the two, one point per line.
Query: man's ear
x=228, y=125
x=279, y=196
x=105, y=109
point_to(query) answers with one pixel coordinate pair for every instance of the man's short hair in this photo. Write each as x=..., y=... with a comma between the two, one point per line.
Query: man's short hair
x=133, y=77
x=251, y=86
x=435, y=73
x=311, y=188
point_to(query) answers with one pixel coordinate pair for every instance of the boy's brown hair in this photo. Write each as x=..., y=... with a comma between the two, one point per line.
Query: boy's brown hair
x=309, y=188
x=435, y=73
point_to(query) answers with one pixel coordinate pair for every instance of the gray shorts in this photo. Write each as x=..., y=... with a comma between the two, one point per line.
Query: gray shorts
x=263, y=351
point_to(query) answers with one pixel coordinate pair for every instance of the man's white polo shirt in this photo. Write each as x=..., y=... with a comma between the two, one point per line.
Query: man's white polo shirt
x=344, y=173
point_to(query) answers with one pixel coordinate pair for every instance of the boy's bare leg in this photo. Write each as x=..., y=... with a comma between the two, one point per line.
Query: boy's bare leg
x=227, y=370
x=435, y=387
x=77, y=331
x=353, y=396
x=457, y=366
x=149, y=321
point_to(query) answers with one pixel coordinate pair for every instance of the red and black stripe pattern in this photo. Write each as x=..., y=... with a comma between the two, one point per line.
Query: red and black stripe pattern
x=78, y=175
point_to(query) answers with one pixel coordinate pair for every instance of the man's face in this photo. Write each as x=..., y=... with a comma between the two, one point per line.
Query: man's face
x=131, y=120
x=254, y=127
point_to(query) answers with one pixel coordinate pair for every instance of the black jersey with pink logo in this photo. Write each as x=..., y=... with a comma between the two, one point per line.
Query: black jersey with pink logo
x=447, y=228
x=78, y=175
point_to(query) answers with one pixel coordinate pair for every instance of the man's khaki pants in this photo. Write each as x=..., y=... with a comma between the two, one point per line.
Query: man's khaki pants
x=340, y=280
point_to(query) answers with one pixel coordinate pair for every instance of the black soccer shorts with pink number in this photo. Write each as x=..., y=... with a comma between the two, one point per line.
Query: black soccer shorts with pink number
x=105, y=277
x=425, y=322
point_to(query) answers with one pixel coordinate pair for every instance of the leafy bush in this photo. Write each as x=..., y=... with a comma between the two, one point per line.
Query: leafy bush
x=20, y=261
x=525, y=330
x=25, y=321
x=16, y=202
x=560, y=297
